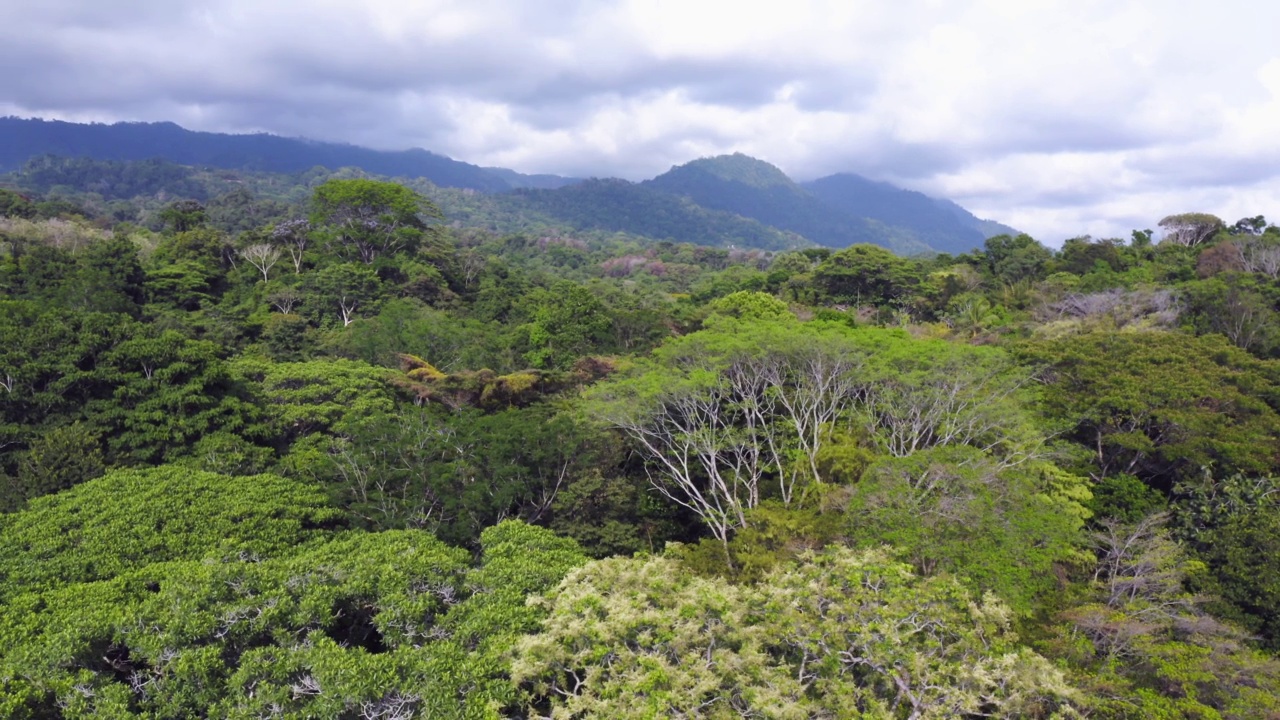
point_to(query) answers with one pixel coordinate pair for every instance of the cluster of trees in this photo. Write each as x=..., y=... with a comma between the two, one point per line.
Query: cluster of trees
x=348, y=460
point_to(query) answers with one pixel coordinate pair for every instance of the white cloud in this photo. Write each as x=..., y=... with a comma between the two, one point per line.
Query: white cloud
x=1060, y=117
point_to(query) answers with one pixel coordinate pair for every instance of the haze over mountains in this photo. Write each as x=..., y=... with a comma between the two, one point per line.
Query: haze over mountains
x=726, y=200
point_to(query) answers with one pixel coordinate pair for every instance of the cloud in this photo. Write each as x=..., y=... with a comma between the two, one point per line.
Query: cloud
x=1057, y=117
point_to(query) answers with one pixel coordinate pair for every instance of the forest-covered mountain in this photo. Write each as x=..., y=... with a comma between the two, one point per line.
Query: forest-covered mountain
x=940, y=224
x=21, y=139
x=753, y=188
x=728, y=200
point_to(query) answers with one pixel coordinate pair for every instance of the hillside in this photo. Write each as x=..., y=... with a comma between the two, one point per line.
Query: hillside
x=753, y=188
x=22, y=139
x=731, y=200
x=931, y=223
x=622, y=206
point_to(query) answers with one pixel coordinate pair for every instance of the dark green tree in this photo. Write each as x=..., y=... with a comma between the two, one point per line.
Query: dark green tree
x=366, y=219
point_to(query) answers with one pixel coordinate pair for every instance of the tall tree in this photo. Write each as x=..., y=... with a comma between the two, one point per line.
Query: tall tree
x=366, y=219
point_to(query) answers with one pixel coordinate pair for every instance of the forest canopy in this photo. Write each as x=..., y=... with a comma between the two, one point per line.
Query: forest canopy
x=333, y=445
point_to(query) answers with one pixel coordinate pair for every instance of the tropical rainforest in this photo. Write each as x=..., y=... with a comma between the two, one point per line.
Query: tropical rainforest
x=329, y=444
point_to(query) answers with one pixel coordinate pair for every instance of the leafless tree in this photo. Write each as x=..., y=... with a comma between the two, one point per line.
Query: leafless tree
x=1190, y=229
x=1123, y=307
x=957, y=403
x=261, y=256
x=722, y=428
x=285, y=299
x=293, y=236
x=1262, y=257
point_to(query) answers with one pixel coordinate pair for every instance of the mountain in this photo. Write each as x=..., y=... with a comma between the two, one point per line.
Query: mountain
x=518, y=181
x=928, y=220
x=726, y=200
x=988, y=228
x=755, y=189
x=621, y=206
x=22, y=139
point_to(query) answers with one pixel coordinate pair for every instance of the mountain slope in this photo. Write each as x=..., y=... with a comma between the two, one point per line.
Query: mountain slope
x=621, y=206
x=727, y=200
x=988, y=228
x=932, y=224
x=755, y=189
x=21, y=140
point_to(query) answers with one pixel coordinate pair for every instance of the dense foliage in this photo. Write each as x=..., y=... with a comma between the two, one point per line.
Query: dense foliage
x=321, y=448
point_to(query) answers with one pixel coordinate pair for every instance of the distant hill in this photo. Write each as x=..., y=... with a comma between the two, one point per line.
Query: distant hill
x=755, y=189
x=622, y=206
x=727, y=200
x=933, y=224
x=21, y=140
x=988, y=228
x=518, y=181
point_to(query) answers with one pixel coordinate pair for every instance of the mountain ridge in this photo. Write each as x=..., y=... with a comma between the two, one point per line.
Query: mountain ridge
x=771, y=209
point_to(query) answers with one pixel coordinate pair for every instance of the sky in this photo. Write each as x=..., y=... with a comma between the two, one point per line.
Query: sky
x=1058, y=118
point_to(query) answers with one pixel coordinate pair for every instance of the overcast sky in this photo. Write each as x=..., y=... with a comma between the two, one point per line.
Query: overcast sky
x=1060, y=118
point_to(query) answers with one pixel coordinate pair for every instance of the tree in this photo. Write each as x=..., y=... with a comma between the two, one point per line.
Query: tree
x=1261, y=256
x=261, y=256
x=742, y=411
x=343, y=290
x=166, y=393
x=1190, y=229
x=1142, y=646
x=129, y=518
x=183, y=215
x=1249, y=226
x=732, y=415
x=1161, y=405
x=293, y=236
x=1010, y=259
x=109, y=278
x=751, y=305
x=952, y=510
x=567, y=322
x=58, y=459
x=838, y=634
x=866, y=273
x=15, y=205
x=362, y=625
x=317, y=396
x=365, y=219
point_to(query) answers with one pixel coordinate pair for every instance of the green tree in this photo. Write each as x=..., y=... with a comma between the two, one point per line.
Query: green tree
x=365, y=219
x=567, y=321
x=866, y=274
x=839, y=634
x=109, y=278
x=751, y=305
x=346, y=291
x=60, y=458
x=1010, y=259
x=1161, y=405
x=952, y=510
x=183, y=215
x=127, y=519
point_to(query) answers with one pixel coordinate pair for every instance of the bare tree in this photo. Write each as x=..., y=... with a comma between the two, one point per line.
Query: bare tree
x=1262, y=257
x=285, y=299
x=293, y=236
x=957, y=402
x=1123, y=307
x=720, y=426
x=1190, y=229
x=262, y=256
